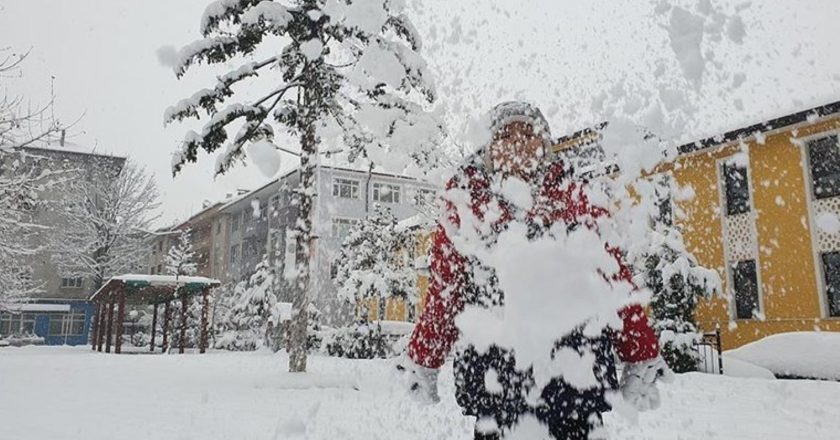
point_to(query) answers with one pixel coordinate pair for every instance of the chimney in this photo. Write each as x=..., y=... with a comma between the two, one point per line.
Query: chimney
x=63, y=135
x=206, y=204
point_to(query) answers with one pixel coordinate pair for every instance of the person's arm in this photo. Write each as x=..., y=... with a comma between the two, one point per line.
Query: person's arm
x=435, y=332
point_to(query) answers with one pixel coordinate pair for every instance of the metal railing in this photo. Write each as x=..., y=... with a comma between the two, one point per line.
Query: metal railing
x=710, y=352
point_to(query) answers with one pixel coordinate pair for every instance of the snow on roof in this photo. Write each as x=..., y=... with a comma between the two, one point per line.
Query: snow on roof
x=71, y=147
x=28, y=307
x=153, y=281
x=165, y=279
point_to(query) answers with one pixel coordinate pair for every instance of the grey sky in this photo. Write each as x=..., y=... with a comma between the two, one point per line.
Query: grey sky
x=560, y=54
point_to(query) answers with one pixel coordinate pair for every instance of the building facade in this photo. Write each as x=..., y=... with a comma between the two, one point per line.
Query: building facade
x=250, y=226
x=58, y=312
x=765, y=214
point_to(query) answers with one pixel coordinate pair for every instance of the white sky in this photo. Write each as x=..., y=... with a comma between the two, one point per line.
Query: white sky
x=560, y=54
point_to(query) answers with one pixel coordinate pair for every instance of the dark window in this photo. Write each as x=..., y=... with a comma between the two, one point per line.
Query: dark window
x=736, y=185
x=824, y=157
x=831, y=269
x=745, y=283
x=334, y=270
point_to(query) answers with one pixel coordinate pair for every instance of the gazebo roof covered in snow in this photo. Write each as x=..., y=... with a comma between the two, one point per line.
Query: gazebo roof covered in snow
x=151, y=289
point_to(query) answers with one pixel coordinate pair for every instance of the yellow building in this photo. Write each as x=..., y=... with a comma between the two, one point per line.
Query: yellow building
x=766, y=216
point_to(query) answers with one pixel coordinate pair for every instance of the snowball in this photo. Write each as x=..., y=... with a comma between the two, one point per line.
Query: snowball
x=518, y=192
x=265, y=156
x=312, y=49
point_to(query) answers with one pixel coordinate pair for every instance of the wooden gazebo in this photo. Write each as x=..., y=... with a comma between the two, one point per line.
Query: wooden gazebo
x=148, y=289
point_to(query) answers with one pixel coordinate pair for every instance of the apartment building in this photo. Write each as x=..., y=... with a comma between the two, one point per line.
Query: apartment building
x=59, y=311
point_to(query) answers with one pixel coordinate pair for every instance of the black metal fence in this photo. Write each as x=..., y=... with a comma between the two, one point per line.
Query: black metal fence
x=710, y=350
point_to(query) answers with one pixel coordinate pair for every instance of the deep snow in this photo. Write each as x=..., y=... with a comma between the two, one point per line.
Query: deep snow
x=72, y=393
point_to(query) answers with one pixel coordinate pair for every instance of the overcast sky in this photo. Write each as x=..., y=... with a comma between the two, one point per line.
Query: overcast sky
x=559, y=54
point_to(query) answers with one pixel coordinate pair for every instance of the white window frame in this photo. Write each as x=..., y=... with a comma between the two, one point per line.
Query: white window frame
x=808, y=181
x=421, y=200
x=334, y=228
x=730, y=280
x=377, y=196
x=354, y=184
x=71, y=282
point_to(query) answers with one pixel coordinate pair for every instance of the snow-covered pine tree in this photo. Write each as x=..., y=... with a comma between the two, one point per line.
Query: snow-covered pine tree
x=676, y=280
x=370, y=265
x=181, y=258
x=251, y=305
x=347, y=69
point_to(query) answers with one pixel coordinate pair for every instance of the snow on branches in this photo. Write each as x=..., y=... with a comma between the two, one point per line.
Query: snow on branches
x=108, y=218
x=371, y=263
x=247, y=311
x=349, y=69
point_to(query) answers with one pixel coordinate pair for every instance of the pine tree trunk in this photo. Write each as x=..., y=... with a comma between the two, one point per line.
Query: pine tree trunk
x=300, y=302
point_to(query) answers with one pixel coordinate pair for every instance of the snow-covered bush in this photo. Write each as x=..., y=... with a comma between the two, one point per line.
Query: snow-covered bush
x=359, y=341
x=244, y=320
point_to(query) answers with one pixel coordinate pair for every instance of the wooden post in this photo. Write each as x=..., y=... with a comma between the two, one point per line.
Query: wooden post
x=101, y=333
x=120, y=319
x=94, y=322
x=154, y=327
x=165, y=327
x=110, y=324
x=183, y=324
x=205, y=306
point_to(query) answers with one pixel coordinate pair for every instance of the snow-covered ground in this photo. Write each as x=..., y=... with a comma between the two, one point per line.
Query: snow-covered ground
x=72, y=393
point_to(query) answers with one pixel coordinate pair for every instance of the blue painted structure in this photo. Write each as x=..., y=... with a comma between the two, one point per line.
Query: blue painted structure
x=56, y=333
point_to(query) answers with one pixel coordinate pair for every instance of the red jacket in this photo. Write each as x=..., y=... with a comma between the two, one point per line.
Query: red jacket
x=435, y=332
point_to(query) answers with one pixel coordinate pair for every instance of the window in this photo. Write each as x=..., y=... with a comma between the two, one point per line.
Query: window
x=824, y=159
x=831, y=270
x=341, y=227
x=152, y=270
x=736, y=189
x=71, y=282
x=17, y=324
x=233, y=252
x=386, y=193
x=424, y=197
x=275, y=204
x=218, y=227
x=234, y=224
x=334, y=269
x=67, y=324
x=745, y=284
x=664, y=207
x=159, y=269
x=290, y=258
x=346, y=188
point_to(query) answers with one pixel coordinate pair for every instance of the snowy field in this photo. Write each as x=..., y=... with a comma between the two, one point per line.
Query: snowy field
x=72, y=393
